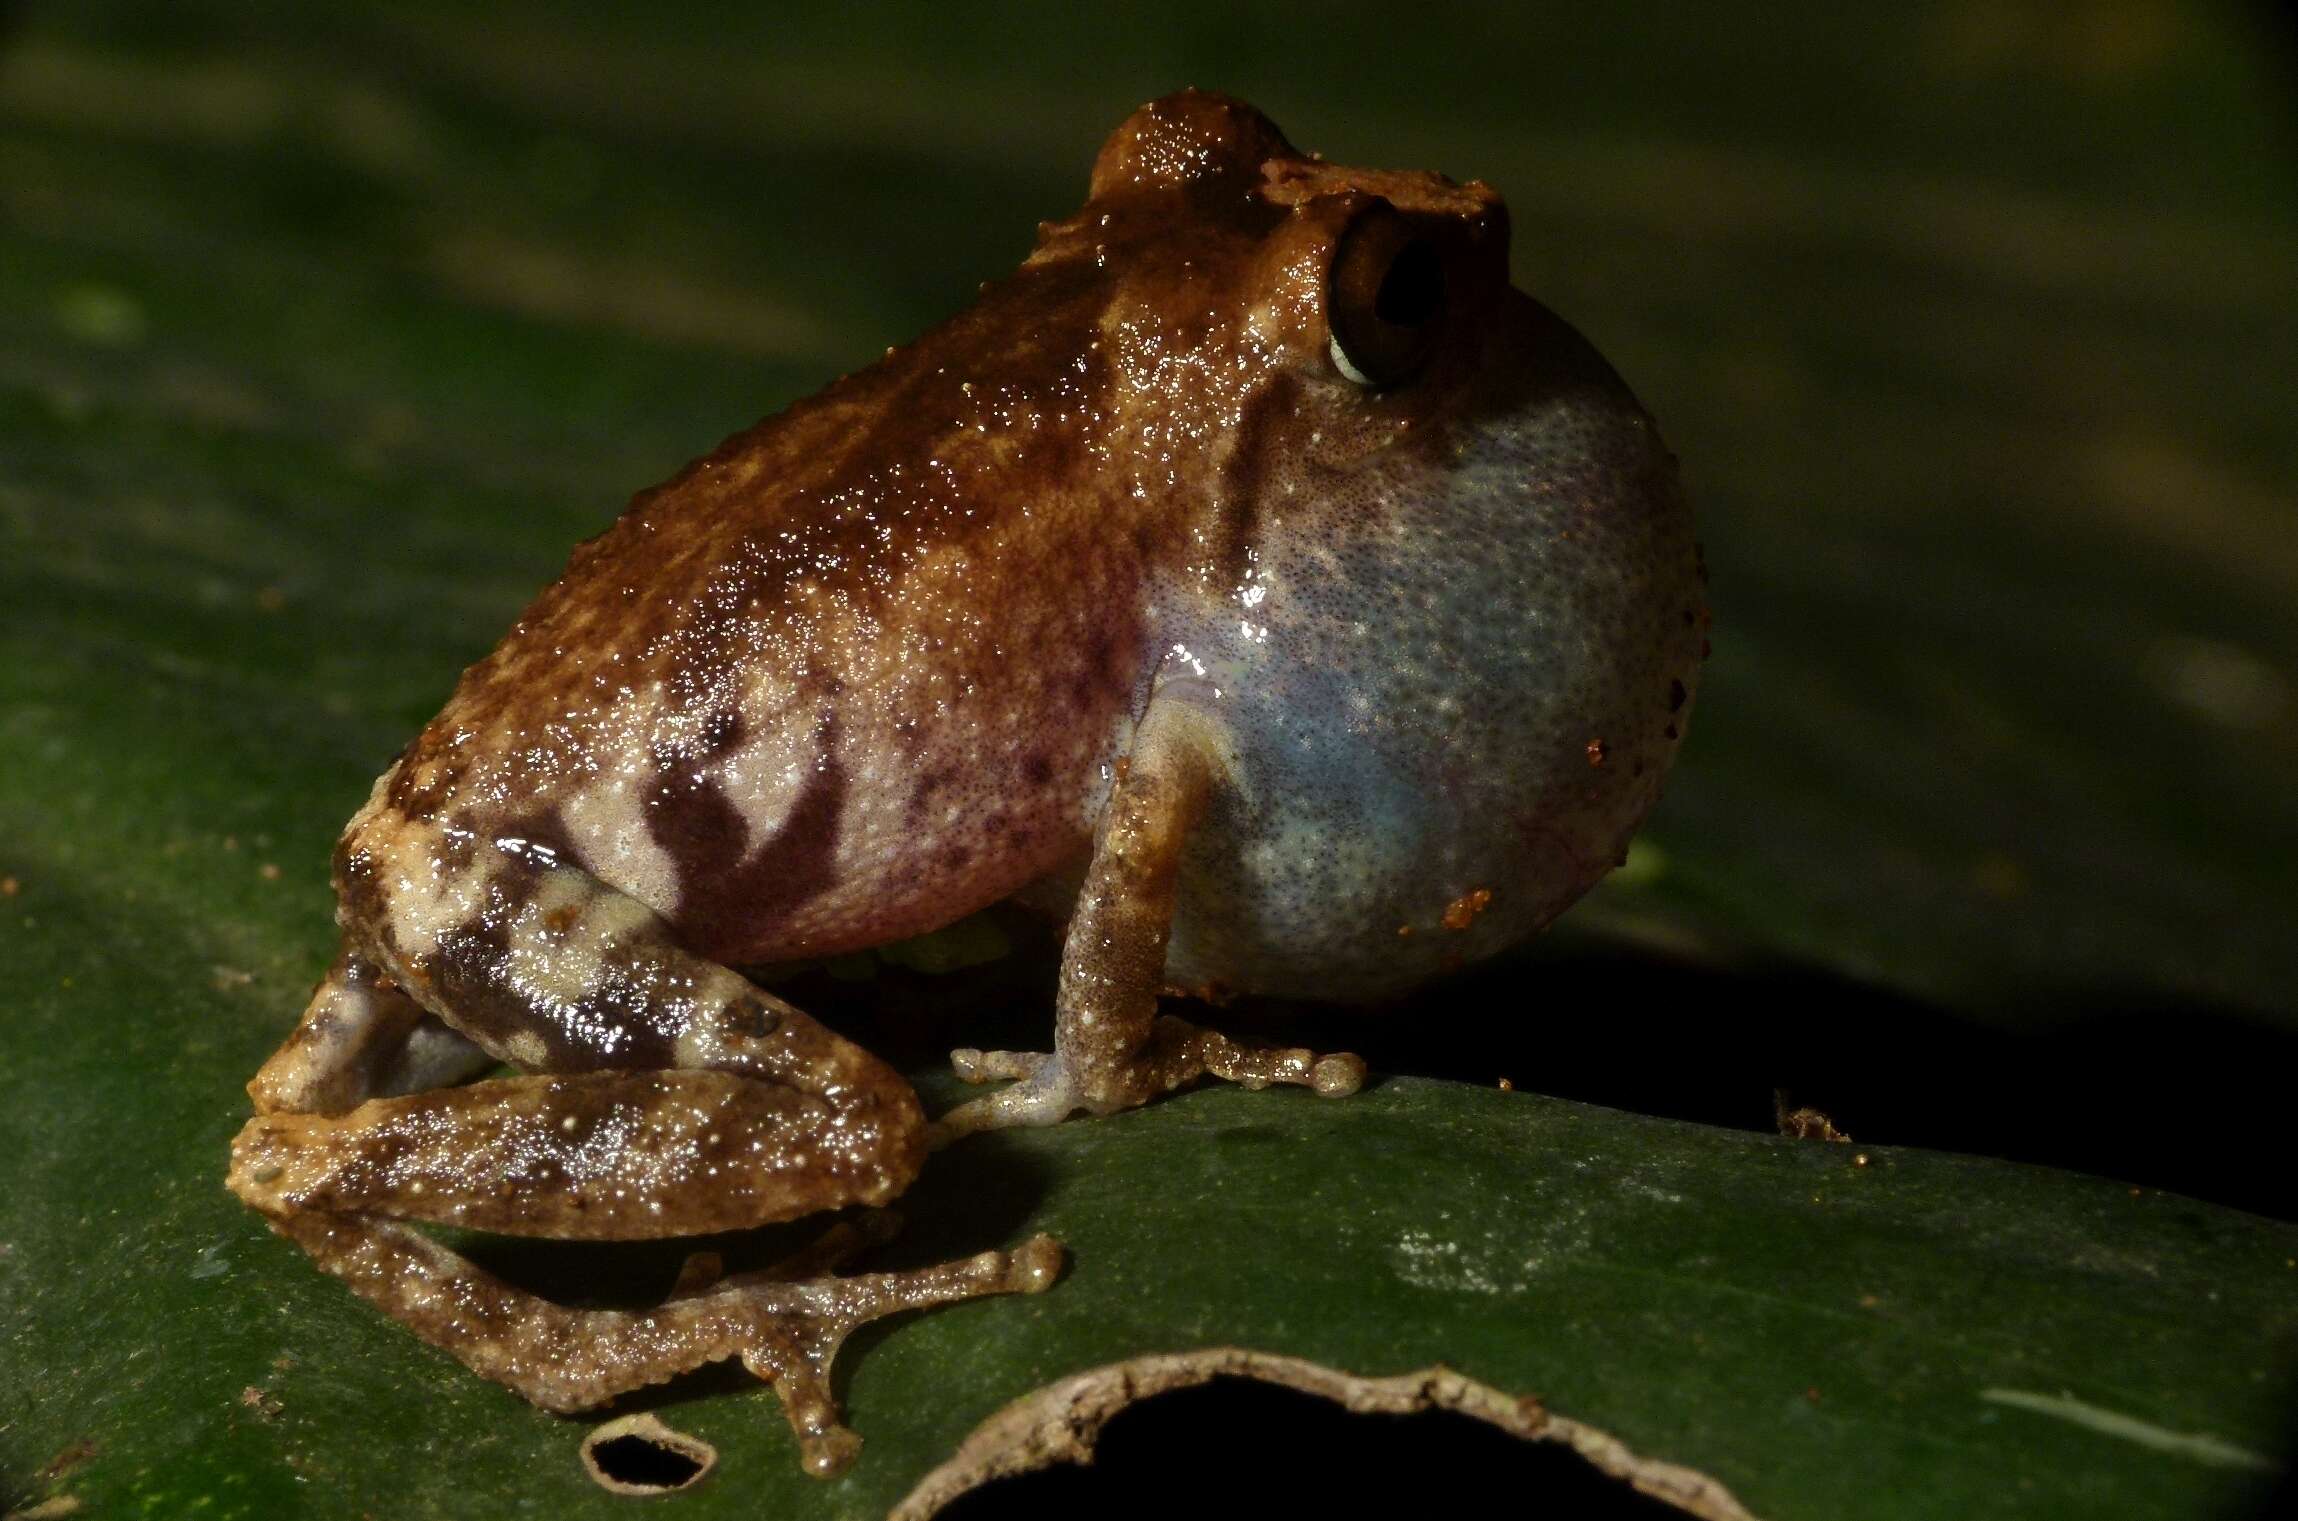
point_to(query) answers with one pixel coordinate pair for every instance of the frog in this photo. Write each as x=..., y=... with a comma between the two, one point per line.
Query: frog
x=1255, y=578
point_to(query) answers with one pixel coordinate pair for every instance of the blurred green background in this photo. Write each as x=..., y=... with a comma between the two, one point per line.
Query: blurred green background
x=325, y=331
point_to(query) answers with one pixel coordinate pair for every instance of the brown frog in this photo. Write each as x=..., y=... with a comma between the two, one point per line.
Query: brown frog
x=1254, y=573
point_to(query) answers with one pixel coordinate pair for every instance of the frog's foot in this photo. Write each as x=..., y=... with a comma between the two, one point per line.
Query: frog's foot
x=785, y=1331
x=787, y=1322
x=1046, y=1090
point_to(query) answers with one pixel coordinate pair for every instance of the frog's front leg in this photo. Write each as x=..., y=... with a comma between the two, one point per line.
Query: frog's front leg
x=665, y=1096
x=1112, y=1050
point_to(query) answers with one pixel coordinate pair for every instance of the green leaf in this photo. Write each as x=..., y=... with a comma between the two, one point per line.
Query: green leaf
x=325, y=331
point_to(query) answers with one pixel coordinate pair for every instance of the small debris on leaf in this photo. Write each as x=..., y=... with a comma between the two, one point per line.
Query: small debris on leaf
x=1804, y=1123
x=74, y=1453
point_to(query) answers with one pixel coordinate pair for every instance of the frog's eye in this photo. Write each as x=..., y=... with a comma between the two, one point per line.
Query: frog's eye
x=1384, y=299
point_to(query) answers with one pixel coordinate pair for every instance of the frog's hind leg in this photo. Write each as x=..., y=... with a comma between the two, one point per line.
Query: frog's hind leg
x=673, y=1098
x=1112, y=1049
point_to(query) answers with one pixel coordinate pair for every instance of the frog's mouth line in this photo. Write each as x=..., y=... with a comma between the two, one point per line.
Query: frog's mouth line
x=1061, y=1423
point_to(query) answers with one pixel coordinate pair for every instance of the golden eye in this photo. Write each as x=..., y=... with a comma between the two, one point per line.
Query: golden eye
x=1384, y=299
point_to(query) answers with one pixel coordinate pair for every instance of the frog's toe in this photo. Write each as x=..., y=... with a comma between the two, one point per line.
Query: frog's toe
x=1337, y=1075
x=788, y=1331
x=1182, y=1052
x=1041, y=1092
x=1042, y=1089
x=976, y=1066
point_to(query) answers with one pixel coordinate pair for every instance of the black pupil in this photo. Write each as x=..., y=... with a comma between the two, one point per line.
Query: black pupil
x=1412, y=289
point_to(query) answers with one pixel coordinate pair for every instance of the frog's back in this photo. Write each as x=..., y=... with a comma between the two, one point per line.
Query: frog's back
x=853, y=674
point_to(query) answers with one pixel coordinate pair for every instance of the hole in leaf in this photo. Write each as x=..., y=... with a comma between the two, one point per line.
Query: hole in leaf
x=1242, y=1447
x=636, y=1463
x=637, y=1455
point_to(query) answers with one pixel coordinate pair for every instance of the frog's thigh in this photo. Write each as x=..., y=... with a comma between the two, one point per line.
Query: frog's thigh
x=1112, y=1050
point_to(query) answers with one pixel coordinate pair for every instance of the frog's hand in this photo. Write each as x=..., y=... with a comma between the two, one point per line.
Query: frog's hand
x=674, y=1098
x=1112, y=1050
